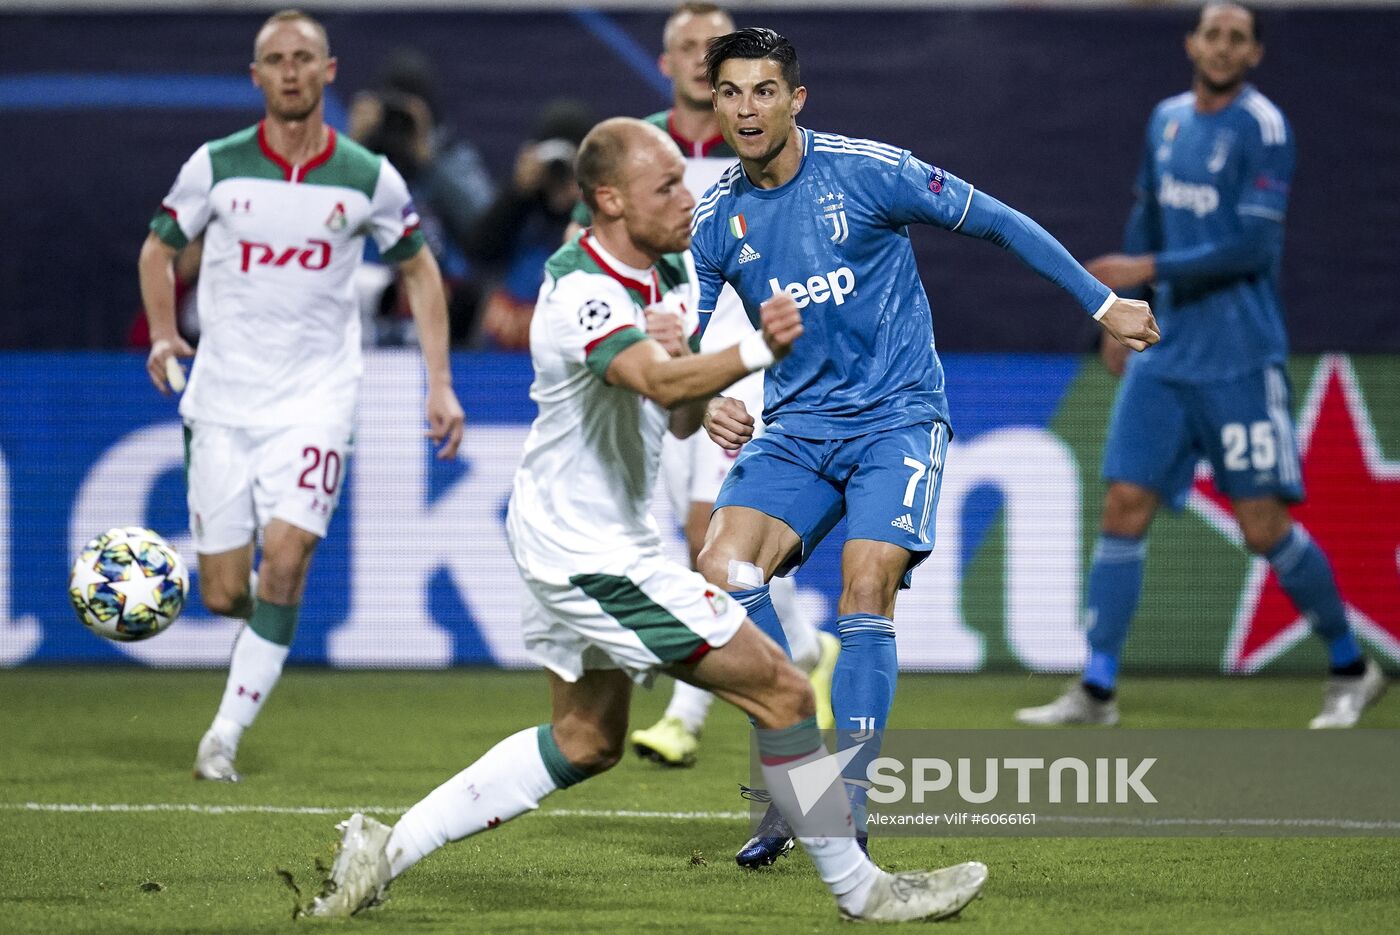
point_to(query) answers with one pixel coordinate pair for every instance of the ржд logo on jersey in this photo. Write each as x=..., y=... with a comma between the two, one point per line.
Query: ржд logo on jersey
x=316, y=255
x=1200, y=200
x=835, y=285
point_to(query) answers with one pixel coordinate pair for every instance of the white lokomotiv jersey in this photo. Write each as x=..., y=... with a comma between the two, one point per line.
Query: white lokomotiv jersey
x=585, y=482
x=279, y=324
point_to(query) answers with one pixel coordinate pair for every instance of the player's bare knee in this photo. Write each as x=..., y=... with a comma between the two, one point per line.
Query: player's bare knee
x=1263, y=538
x=869, y=592
x=1128, y=510
x=713, y=563
x=793, y=698
x=587, y=748
x=226, y=602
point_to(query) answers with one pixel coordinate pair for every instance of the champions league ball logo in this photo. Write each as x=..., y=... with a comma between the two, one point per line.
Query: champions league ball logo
x=593, y=313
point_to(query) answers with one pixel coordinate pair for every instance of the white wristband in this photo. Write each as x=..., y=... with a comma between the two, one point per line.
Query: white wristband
x=1107, y=304
x=755, y=353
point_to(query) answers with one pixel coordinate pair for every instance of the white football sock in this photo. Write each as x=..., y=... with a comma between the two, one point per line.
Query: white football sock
x=510, y=779
x=690, y=704
x=801, y=635
x=252, y=673
x=845, y=869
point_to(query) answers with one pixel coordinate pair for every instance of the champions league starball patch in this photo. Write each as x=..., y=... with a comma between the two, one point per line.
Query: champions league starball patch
x=935, y=181
x=593, y=313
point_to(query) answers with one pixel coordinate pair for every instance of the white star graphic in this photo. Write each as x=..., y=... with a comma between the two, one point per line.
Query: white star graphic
x=137, y=589
x=84, y=577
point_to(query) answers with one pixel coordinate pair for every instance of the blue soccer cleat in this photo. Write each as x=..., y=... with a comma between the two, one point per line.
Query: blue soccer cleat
x=773, y=838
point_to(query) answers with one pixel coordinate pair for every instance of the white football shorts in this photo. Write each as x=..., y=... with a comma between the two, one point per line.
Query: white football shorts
x=636, y=612
x=240, y=479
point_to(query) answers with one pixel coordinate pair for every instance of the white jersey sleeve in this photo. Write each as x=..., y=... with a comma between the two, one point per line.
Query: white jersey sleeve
x=187, y=205
x=392, y=215
x=588, y=319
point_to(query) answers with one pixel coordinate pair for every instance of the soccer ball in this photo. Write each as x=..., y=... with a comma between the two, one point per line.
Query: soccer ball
x=128, y=584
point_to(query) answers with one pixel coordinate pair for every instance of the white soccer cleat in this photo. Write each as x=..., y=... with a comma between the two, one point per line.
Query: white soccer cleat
x=1344, y=698
x=214, y=761
x=1075, y=706
x=922, y=894
x=360, y=875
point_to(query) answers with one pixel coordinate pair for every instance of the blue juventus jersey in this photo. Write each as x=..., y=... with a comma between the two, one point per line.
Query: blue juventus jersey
x=834, y=238
x=1212, y=193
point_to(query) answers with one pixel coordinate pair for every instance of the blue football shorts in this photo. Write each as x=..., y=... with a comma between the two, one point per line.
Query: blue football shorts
x=885, y=484
x=1160, y=429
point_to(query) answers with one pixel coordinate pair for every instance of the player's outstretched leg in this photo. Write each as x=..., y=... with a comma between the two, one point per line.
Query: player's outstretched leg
x=675, y=739
x=814, y=651
x=779, y=701
x=511, y=778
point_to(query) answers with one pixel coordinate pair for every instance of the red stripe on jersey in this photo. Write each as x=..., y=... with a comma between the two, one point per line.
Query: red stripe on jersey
x=170, y=211
x=691, y=149
x=651, y=290
x=699, y=654
x=588, y=348
x=291, y=173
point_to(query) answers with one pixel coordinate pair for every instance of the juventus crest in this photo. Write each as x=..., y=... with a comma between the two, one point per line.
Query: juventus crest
x=833, y=207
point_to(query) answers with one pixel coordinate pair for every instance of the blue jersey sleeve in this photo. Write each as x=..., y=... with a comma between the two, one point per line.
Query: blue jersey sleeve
x=1266, y=176
x=923, y=194
x=1011, y=230
x=709, y=279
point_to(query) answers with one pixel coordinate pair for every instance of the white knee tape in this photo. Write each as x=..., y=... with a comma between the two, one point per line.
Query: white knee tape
x=745, y=575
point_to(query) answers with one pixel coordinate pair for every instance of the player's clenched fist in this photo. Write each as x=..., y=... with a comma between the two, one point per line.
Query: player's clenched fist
x=728, y=423
x=666, y=329
x=782, y=323
x=1131, y=324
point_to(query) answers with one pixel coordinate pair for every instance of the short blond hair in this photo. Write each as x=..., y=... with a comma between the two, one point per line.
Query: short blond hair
x=603, y=154
x=292, y=15
x=693, y=8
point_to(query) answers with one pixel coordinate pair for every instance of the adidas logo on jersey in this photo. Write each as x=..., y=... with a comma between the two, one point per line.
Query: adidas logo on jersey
x=905, y=522
x=747, y=253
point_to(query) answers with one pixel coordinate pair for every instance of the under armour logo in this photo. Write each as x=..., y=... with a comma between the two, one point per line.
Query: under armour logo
x=255, y=696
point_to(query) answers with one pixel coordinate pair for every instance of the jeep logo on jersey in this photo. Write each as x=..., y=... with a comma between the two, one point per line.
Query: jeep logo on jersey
x=1200, y=200
x=836, y=285
x=317, y=255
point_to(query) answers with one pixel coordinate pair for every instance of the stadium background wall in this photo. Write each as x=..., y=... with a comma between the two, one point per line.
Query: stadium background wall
x=1044, y=108
x=415, y=571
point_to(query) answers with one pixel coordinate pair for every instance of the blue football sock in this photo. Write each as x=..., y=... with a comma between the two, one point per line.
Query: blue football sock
x=1306, y=577
x=1115, y=584
x=759, y=607
x=862, y=692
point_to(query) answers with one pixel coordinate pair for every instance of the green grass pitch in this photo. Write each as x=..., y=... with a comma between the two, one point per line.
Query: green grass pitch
x=335, y=740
